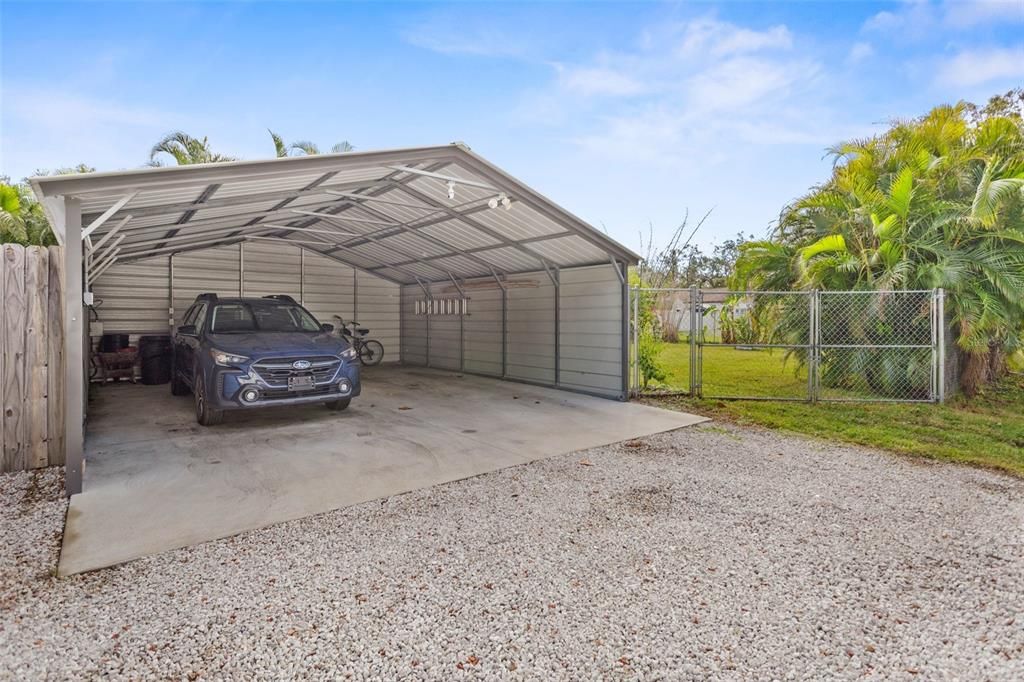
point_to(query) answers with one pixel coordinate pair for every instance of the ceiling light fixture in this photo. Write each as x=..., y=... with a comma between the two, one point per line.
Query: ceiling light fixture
x=451, y=189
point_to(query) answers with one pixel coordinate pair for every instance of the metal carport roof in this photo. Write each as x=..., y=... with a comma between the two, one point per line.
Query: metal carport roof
x=411, y=216
x=407, y=215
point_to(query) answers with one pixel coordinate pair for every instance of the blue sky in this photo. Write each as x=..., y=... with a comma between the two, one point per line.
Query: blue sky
x=626, y=114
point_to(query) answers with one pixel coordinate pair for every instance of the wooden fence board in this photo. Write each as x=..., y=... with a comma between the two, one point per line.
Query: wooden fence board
x=36, y=298
x=55, y=356
x=14, y=455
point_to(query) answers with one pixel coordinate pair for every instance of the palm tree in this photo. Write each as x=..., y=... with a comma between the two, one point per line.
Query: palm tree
x=303, y=147
x=185, y=150
x=934, y=202
x=21, y=218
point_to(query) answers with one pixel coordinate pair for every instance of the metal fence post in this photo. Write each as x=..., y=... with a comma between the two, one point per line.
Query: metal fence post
x=635, y=374
x=940, y=351
x=813, y=345
x=694, y=320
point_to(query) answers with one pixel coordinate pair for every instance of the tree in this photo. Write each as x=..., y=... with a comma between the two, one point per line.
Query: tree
x=21, y=217
x=22, y=220
x=185, y=150
x=303, y=147
x=933, y=202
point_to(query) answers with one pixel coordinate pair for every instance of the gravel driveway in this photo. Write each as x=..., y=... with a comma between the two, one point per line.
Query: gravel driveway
x=709, y=552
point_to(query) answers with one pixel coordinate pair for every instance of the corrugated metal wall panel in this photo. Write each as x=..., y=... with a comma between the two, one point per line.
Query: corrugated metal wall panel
x=197, y=272
x=590, y=330
x=482, y=332
x=328, y=289
x=414, y=328
x=531, y=330
x=271, y=268
x=133, y=297
x=445, y=334
x=377, y=308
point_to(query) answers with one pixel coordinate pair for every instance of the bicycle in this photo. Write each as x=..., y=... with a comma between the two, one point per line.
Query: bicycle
x=371, y=351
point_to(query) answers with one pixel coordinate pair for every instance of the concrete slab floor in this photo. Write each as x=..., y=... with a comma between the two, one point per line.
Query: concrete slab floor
x=155, y=480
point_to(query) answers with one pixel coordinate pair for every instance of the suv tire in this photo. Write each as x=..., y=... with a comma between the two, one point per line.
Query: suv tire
x=205, y=415
x=338, y=405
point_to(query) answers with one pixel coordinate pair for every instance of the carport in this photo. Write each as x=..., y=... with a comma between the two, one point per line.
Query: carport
x=465, y=274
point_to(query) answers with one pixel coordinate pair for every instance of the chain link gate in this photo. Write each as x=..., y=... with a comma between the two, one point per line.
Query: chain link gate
x=837, y=346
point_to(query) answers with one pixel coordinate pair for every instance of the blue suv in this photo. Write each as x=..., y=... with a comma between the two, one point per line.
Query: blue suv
x=243, y=353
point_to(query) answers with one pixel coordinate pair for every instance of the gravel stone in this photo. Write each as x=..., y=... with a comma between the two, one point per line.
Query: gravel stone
x=706, y=553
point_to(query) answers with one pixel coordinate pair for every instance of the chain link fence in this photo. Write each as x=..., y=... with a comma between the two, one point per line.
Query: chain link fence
x=791, y=345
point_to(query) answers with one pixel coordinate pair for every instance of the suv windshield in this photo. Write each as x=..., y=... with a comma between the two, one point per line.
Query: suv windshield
x=233, y=318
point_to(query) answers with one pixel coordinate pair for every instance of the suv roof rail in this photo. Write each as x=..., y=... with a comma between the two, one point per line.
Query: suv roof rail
x=281, y=297
x=208, y=296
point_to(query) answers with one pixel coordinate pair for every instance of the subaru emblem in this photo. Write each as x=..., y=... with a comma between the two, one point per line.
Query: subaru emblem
x=302, y=364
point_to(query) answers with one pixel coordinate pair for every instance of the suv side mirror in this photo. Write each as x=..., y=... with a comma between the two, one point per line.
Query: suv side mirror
x=187, y=330
x=327, y=327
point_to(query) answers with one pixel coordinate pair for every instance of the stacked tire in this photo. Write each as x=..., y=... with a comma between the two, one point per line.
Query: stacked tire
x=155, y=355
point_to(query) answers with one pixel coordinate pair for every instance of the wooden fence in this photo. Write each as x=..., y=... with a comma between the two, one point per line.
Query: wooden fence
x=32, y=344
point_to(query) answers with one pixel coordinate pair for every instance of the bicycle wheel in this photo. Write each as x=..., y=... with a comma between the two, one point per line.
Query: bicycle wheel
x=371, y=352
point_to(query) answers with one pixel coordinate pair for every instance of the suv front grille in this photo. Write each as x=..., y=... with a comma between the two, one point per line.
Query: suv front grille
x=277, y=371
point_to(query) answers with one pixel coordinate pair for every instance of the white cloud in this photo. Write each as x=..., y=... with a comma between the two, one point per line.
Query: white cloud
x=721, y=39
x=974, y=67
x=859, y=52
x=449, y=34
x=968, y=13
x=911, y=19
x=598, y=80
x=742, y=82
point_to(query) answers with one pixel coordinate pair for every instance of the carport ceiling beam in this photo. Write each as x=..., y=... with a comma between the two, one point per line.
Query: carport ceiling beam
x=472, y=223
x=445, y=178
x=370, y=197
x=103, y=217
x=337, y=220
x=411, y=229
x=244, y=199
x=111, y=232
x=469, y=253
x=339, y=217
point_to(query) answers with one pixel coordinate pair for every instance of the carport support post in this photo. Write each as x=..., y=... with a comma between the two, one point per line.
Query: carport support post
x=75, y=347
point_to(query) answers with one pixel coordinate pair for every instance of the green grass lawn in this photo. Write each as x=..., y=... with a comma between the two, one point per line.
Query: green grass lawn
x=987, y=431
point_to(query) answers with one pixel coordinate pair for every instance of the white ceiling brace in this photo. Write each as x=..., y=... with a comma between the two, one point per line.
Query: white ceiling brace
x=118, y=205
x=103, y=263
x=618, y=271
x=370, y=197
x=462, y=292
x=114, y=245
x=146, y=253
x=96, y=275
x=426, y=291
x=309, y=229
x=498, y=280
x=340, y=217
x=551, y=275
x=112, y=232
x=412, y=228
x=446, y=178
x=269, y=238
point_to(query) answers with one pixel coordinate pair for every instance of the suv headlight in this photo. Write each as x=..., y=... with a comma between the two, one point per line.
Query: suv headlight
x=349, y=354
x=227, y=359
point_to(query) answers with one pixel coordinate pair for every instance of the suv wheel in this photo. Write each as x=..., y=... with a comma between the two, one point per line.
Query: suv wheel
x=205, y=415
x=338, y=405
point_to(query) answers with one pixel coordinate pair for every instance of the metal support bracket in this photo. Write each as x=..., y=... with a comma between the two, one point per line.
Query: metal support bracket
x=118, y=205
